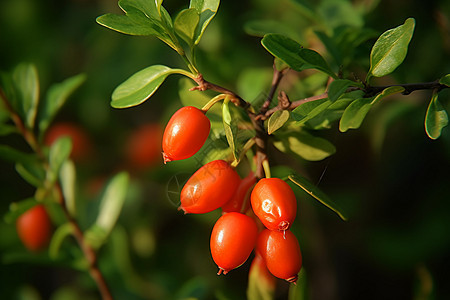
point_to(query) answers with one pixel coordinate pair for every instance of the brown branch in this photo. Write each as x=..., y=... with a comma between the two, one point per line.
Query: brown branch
x=88, y=251
x=277, y=76
x=204, y=85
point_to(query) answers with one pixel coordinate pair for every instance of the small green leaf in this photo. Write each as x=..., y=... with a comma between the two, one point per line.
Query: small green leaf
x=16, y=209
x=293, y=54
x=436, y=118
x=261, y=286
x=185, y=24
x=309, y=110
x=67, y=176
x=110, y=207
x=277, y=120
x=27, y=84
x=317, y=194
x=299, y=291
x=59, y=153
x=32, y=172
x=338, y=87
x=141, y=17
x=140, y=86
x=305, y=145
x=230, y=128
x=6, y=129
x=355, y=113
x=206, y=9
x=12, y=155
x=390, y=49
x=445, y=80
x=56, y=97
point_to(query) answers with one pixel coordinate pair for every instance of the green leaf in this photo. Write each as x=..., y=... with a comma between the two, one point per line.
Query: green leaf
x=56, y=97
x=317, y=194
x=252, y=84
x=32, y=172
x=277, y=120
x=185, y=24
x=16, y=209
x=309, y=110
x=445, y=80
x=306, y=145
x=12, y=155
x=230, y=128
x=261, y=284
x=355, y=113
x=390, y=49
x=436, y=118
x=293, y=54
x=207, y=10
x=110, y=208
x=59, y=153
x=140, y=86
x=67, y=176
x=6, y=129
x=158, y=5
x=27, y=86
x=336, y=13
x=338, y=87
x=299, y=291
x=141, y=17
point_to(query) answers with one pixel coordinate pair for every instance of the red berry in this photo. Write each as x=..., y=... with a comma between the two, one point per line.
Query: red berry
x=232, y=240
x=143, y=146
x=209, y=188
x=34, y=228
x=185, y=133
x=273, y=201
x=81, y=143
x=281, y=253
x=239, y=202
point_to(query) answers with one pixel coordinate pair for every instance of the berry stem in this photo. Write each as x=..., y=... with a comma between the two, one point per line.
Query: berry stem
x=213, y=101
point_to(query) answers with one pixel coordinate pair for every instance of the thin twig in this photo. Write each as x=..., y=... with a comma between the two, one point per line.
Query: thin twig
x=276, y=78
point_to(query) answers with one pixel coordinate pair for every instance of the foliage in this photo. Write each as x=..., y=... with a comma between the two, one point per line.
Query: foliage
x=339, y=67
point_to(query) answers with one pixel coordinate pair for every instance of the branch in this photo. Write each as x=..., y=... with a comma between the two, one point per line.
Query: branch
x=204, y=85
x=277, y=76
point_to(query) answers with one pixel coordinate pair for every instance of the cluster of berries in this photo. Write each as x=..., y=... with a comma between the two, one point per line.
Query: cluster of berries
x=264, y=226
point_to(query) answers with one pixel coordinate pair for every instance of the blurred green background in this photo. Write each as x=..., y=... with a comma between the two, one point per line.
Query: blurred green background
x=389, y=176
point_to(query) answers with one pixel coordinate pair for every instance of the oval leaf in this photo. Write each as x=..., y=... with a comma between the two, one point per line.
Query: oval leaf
x=317, y=194
x=230, y=128
x=293, y=54
x=27, y=83
x=206, y=9
x=55, y=99
x=355, y=113
x=185, y=24
x=309, y=110
x=277, y=120
x=68, y=182
x=307, y=146
x=390, y=49
x=436, y=118
x=110, y=207
x=59, y=153
x=140, y=86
